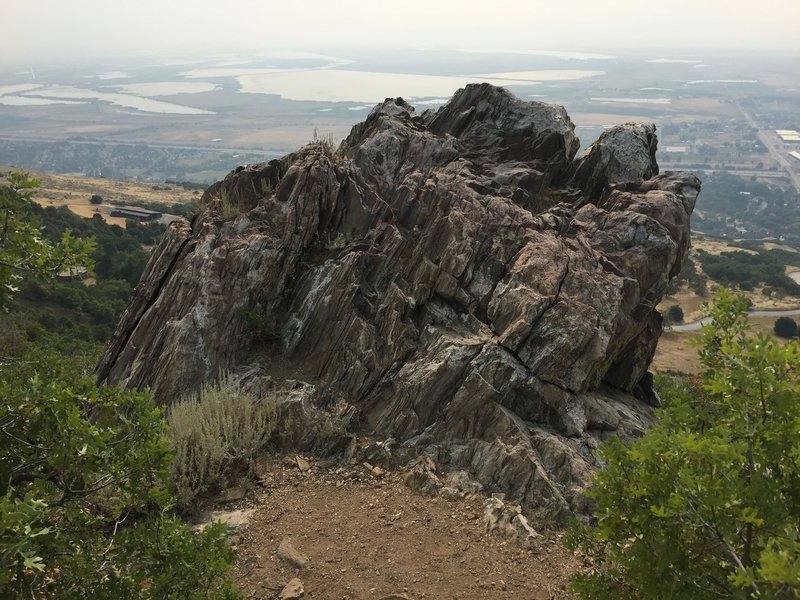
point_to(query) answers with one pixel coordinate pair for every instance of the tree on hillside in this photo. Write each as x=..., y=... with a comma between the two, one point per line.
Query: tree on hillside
x=95, y=199
x=23, y=249
x=707, y=503
x=674, y=314
x=785, y=327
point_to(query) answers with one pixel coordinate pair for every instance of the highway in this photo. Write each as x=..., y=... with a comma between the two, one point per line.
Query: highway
x=741, y=172
x=695, y=325
x=771, y=145
x=88, y=142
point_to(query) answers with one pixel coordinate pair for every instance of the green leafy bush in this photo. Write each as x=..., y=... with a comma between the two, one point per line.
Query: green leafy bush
x=707, y=503
x=747, y=270
x=215, y=436
x=23, y=250
x=75, y=309
x=85, y=507
x=785, y=327
x=257, y=325
x=674, y=314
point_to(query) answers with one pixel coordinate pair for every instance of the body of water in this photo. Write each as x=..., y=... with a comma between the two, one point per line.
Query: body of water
x=339, y=85
x=28, y=101
x=17, y=89
x=633, y=100
x=698, y=81
x=113, y=75
x=564, y=55
x=672, y=61
x=167, y=88
x=544, y=75
x=123, y=100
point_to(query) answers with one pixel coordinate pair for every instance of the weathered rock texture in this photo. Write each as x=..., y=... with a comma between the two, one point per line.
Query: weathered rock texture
x=461, y=278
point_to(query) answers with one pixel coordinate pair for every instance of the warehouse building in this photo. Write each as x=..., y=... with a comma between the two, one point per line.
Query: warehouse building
x=134, y=212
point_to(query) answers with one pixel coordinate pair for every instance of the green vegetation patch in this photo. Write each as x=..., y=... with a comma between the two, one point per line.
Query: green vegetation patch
x=746, y=270
x=738, y=207
x=706, y=504
x=66, y=306
x=85, y=501
x=85, y=493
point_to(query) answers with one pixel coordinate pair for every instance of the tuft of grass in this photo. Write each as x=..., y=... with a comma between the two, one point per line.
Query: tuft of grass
x=340, y=242
x=325, y=142
x=228, y=208
x=266, y=187
x=334, y=431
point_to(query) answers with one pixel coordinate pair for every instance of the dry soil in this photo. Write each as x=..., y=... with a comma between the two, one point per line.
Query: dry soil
x=368, y=537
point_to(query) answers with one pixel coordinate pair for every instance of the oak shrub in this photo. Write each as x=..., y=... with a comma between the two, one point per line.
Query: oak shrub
x=85, y=500
x=86, y=509
x=707, y=503
x=23, y=249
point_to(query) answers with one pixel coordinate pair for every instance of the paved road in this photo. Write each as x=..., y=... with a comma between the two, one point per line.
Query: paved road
x=741, y=172
x=111, y=142
x=771, y=145
x=695, y=325
x=789, y=312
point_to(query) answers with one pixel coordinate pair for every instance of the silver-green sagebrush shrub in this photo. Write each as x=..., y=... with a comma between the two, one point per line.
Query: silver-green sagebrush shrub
x=707, y=503
x=215, y=435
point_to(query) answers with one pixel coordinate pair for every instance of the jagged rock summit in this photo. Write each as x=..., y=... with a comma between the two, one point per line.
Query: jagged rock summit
x=476, y=291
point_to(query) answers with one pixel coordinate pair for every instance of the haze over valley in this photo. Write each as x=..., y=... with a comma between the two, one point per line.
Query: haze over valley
x=194, y=117
x=399, y=301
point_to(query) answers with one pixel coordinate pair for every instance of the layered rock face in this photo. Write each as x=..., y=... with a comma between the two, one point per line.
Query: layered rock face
x=475, y=290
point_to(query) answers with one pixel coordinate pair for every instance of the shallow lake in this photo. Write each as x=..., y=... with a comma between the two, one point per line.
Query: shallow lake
x=340, y=85
x=633, y=100
x=123, y=100
x=167, y=88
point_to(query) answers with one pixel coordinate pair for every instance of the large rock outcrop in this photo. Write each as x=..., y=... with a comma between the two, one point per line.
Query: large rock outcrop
x=462, y=279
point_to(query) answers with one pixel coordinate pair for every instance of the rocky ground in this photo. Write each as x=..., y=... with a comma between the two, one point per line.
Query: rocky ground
x=353, y=531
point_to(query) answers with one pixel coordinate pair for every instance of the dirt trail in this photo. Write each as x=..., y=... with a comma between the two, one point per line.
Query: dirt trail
x=370, y=537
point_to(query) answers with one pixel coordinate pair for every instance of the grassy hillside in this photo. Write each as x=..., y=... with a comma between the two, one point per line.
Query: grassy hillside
x=75, y=192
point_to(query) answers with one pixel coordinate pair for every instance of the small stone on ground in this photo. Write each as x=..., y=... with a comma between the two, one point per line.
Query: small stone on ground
x=293, y=590
x=288, y=553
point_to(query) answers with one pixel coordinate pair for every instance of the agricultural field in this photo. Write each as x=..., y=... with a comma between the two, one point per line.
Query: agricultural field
x=75, y=193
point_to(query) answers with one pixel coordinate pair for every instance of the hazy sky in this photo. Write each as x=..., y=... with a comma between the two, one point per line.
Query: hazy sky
x=37, y=30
